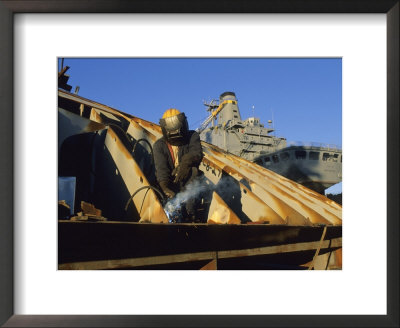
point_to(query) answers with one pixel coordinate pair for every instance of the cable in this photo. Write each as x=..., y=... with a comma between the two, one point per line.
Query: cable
x=144, y=197
x=121, y=129
x=136, y=142
x=152, y=158
x=151, y=148
x=141, y=188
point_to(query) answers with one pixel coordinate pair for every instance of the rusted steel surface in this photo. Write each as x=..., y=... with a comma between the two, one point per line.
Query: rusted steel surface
x=296, y=203
x=256, y=208
x=215, y=257
x=131, y=244
x=90, y=103
x=255, y=217
x=76, y=124
x=146, y=203
x=289, y=202
x=327, y=261
x=136, y=262
x=310, y=205
x=264, y=196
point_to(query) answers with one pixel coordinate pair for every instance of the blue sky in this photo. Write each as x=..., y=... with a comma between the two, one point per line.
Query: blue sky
x=302, y=96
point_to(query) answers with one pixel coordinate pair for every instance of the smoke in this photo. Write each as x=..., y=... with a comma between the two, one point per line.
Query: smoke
x=227, y=188
x=194, y=189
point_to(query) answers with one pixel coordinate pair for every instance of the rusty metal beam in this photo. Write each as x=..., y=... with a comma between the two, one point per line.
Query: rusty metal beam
x=259, y=206
x=313, y=209
x=201, y=256
x=296, y=190
x=148, y=206
x=70, y=124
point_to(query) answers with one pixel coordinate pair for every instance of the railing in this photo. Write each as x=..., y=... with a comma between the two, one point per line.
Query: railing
x=313, y=144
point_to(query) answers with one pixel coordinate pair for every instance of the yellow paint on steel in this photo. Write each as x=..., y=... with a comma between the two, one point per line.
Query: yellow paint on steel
x=220, y=213
x=295, y=197
x=137, y=132
x=287, y=205
x=283, y=210
x=255, y=209
x=290, y=186
x=221, y=105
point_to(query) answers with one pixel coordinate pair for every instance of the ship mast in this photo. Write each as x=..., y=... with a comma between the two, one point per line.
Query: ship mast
x=210, y=108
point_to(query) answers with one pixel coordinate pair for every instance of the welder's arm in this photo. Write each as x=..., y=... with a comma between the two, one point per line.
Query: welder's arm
x=182, y=172
x=165, y=188
x=163, y=171
x=191, y=159
x=195, y=154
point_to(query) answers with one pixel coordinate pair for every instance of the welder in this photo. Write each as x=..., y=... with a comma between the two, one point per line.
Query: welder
x=177, y=156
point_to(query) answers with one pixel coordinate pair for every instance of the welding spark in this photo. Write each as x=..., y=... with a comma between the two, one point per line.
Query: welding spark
x=174, y=207
x=173, y=210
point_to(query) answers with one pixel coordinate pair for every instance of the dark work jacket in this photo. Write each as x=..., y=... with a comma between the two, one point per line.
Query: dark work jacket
x=191, y=152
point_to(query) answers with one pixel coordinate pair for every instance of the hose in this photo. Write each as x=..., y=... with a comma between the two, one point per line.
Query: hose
x=141, y=188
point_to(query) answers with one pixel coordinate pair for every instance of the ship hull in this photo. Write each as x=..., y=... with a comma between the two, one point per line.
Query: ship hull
x=317, y=168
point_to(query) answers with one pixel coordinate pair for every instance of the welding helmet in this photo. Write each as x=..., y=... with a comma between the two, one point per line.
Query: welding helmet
x=174, y=126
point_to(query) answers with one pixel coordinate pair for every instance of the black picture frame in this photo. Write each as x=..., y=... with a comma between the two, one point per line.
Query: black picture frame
x=7, y=10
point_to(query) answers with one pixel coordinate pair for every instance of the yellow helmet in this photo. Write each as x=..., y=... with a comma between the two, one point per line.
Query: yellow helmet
x=174, y=126
x=171, y=112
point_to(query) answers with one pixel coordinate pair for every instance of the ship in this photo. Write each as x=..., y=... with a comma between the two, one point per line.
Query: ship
x=316, y=166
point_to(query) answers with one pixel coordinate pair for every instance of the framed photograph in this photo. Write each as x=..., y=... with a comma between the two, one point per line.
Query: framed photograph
x=220, y=211
x=364, y=34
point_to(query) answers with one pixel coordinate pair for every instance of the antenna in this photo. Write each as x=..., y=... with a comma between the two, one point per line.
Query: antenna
x=213, y=114
x=252, y=107
x=273, y=121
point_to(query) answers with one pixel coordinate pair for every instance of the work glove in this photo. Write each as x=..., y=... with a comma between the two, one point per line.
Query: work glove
x=182, y=172
x=165, y=188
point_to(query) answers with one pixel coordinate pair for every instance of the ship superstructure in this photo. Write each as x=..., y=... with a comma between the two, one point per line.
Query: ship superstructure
x=315, y=166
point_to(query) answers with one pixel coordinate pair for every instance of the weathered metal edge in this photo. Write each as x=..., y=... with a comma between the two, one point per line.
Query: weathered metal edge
x=6, y=273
